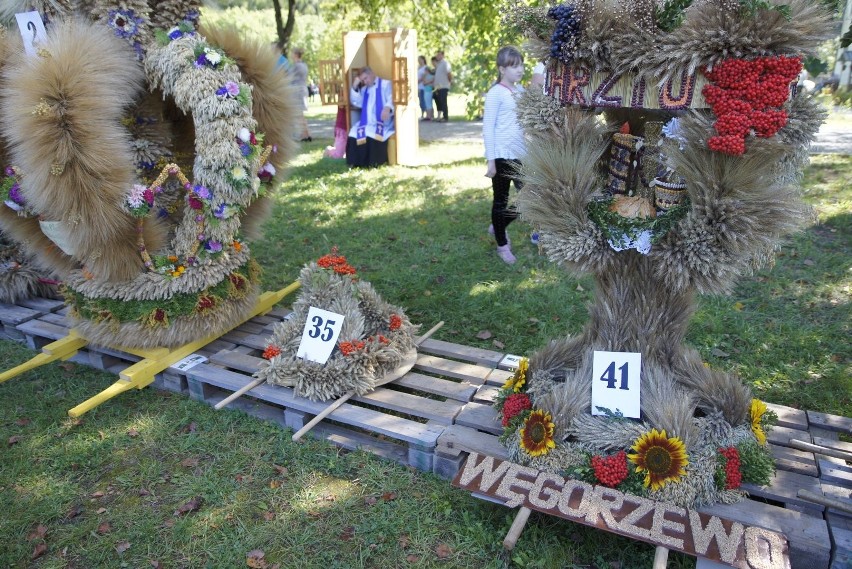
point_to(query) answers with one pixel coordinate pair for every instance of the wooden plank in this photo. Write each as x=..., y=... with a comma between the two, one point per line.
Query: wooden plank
x=810, y=545
x=457, y=438
x=782, y=435
x=830, y=422
x=834, y=473
x=264, y=320
x=279, y=312
x=458, y=391
x=235, y=360
x=498, y=377
x=487, y=394
x=250, y=327
x=12, y=315
x=39, y=329
x=789, y=417
x=442, y=412
x=794, y=460
x=251, y=340
x=481, y=417
x=42, y=304
x=833, y=443
x=375, y=421
x=488, y=358
x=783, y=488
x=475, y=374
x=54, y=318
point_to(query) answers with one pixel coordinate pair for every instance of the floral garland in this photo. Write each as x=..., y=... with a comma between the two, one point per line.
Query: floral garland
x=653, y=461
x=10, y=192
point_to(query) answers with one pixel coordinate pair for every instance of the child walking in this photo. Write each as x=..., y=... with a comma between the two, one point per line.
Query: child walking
x=504, y=144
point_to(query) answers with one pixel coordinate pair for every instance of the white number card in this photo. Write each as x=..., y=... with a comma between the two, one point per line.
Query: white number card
x=615, y=383
x=32, y=30
x=320, y=335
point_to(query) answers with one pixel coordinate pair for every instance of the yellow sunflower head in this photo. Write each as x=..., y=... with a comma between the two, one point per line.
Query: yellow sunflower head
x=537, y=434
x=661, y=458
x=517, y=381
x=758, y=408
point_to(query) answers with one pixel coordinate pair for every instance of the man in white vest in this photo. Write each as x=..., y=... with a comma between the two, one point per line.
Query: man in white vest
x=367, y=145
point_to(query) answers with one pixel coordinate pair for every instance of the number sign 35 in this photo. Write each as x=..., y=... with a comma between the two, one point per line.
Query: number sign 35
x=615, y=383
x=319, y=335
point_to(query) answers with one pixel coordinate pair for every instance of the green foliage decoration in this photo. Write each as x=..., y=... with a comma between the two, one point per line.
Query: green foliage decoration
x=752, y=7
x=670, y=16
x=756, y=463
x=614, y=226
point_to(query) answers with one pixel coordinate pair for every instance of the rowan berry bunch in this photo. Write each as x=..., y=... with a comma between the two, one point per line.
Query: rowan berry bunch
x=733, y=475
x=514, y=405
x=610, y=470
x=747, y=96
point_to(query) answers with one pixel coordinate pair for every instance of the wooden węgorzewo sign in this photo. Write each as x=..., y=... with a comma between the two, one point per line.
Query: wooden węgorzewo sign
x=660, y=523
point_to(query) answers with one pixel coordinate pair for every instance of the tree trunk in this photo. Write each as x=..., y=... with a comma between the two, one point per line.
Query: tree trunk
x=282, y=30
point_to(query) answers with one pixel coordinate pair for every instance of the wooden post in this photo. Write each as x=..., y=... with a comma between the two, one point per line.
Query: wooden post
x=517, y=527
x=802, y=445
x=825, y=501
x=661, y=557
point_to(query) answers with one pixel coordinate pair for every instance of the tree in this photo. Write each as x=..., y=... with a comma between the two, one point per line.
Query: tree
x=284, y=31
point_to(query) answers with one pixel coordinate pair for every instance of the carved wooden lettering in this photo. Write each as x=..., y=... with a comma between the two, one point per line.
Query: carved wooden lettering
x=691, y=532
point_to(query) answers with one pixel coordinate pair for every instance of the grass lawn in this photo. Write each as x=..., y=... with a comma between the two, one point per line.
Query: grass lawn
x=152, y=479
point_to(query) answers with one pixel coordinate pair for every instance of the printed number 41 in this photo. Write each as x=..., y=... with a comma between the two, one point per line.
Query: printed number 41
x=317, y=331
x=609, y=376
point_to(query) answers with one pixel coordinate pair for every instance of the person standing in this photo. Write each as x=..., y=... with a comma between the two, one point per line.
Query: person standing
x=300, y=80
x=443, y=81
x=421, y=71
x=367, y=145
x=504, y=144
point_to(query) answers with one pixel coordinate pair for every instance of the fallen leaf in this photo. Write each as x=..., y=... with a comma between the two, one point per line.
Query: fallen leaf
x=38, y=533
x=269, y=516
x=190, y=506
x=389, y=496
x=101, y=510
x=74, y=512
x=498, y=344
x=122, y=546
x=412, y=558
x=580, y=288
x=14, y=440
x=443, y=551
x=104, y=528
x=370, y=500
x=274, y=484
x=719, y=353
x=189, y=462
x=255, y=559
x=738, y=306
x=809, y=262
x=22, y=422
x=154, y=563
x=190, y=428
x=392, y=237
x=143, y=492
x=440, y=279
x=280, y=469
x=39, y=550
x=484, y=334
x=133, y=433
x=404, y=541
x=533, y=320
x=427, y=293
x=67, y=366
x=97, y=494
x=347, y=534
x=169, y=523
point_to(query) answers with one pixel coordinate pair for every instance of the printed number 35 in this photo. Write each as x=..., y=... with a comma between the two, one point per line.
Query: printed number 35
x=318, y=331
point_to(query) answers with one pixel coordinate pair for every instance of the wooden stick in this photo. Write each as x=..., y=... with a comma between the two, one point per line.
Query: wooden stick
x=834, y=503
x=331, y=408
x=517, y=527
x=661, y=557
x=802, y=445
x=242, y=390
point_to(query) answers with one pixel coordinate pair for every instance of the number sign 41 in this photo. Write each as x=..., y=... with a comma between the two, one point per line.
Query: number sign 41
x=319, y=335
x=615, y=383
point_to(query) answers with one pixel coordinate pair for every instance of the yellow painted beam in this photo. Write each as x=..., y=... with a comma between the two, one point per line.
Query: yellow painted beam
x=61, y=349
x=142, y=373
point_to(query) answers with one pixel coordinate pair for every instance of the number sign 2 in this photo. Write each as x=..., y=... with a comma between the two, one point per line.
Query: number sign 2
x=32, y=30
x=615, y=383
x=319, y=335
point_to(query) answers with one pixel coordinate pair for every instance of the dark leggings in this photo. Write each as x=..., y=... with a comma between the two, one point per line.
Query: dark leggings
x=501, y=214
x=440, y=96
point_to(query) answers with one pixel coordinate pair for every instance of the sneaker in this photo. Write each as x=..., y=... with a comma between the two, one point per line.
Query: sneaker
x=534, y=238
x=505, y=253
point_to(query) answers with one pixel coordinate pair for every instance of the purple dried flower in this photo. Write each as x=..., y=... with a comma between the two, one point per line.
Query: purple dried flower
x=201, y=60
x=15, y=194
x=213, y=246
x=232, y=88
x=10, y=171
x=201, y=191
x=148, y=196
x=220, y=211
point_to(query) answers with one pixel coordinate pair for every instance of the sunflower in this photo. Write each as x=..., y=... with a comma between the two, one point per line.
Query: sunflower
x=537, y=434
x=517, y=381
x=663, y=459
x=758, y=408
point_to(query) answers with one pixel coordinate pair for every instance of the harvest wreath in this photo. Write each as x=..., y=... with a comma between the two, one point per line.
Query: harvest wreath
x=663, y=157
x=373, y=341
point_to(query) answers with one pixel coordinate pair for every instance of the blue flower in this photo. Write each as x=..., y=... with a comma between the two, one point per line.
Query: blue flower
x=220, y=211
x=213, y=246
x=175, y=33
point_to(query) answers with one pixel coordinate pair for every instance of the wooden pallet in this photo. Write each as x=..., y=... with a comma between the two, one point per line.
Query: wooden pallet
x=442, y=410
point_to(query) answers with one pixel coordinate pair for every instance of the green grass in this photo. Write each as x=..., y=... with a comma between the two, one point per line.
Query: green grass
x=419, y=235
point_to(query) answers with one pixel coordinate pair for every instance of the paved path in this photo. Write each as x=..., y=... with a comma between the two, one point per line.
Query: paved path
x=834, y=138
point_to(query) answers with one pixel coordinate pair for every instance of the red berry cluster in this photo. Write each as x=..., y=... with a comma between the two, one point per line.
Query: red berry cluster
x=747, y=95
x=395, y=322
x=514, y=405
x=610, y=470
x=336, y=263
x=733, y=476
x=271, y=351
x=349, y=348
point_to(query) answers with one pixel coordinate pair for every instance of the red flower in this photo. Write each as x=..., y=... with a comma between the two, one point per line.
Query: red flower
x=610, y=470
x=271, y=351
x=395, y=322
x=195, y=203
x=159, y=314
x=205, y=303
x=514, y=405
